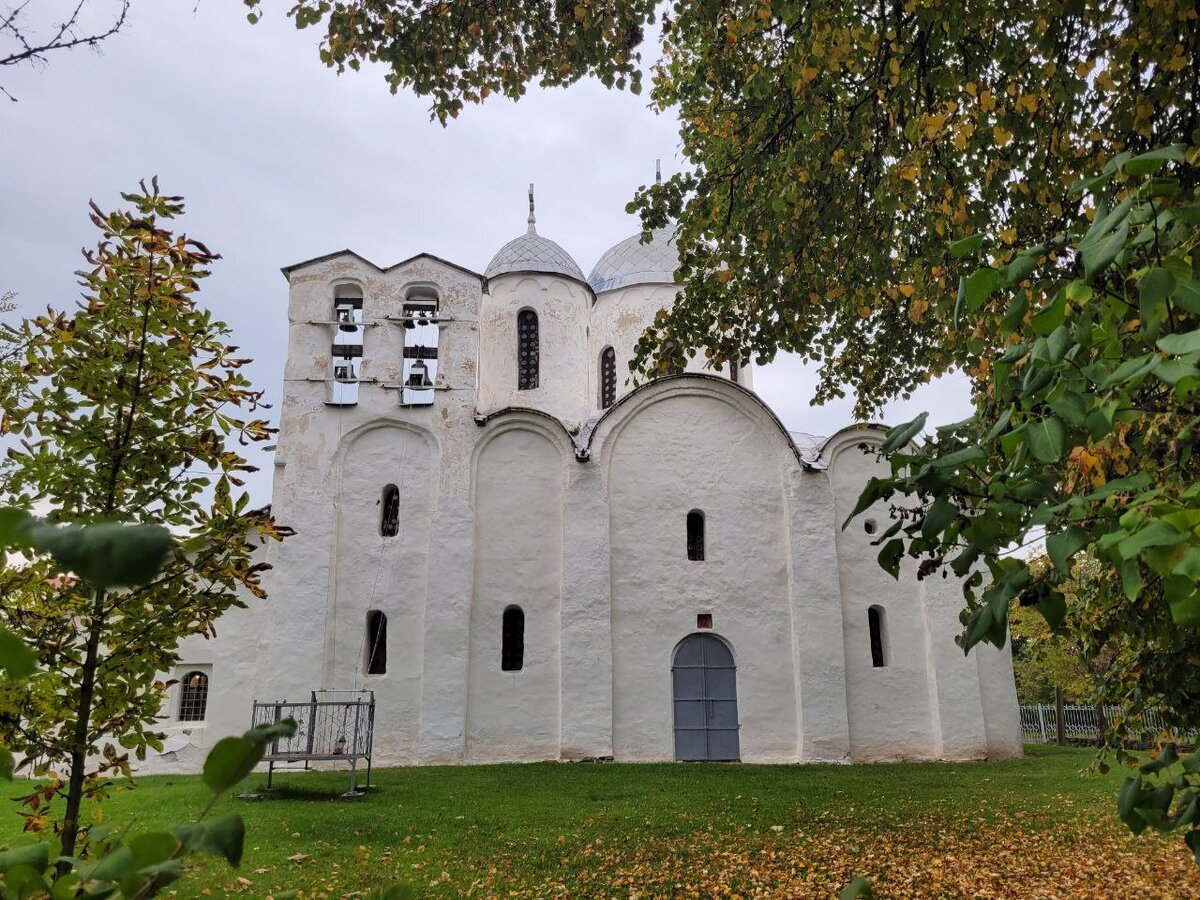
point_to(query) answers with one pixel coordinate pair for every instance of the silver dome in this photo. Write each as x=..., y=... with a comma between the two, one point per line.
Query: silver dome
x=533, y=253
x=632, y=262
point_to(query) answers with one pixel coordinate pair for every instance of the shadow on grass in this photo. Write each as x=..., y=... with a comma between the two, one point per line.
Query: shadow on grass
x=329, y=793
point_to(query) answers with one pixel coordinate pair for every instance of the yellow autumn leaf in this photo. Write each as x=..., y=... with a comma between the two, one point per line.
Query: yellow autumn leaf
x=1001, y=135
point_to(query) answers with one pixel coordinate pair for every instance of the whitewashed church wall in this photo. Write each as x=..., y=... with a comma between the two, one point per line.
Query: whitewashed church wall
x=1001, y=713
x=889, y=707
x=817, y=623
x=385, y=573
x=562, y=307
x=682, y=448
x=519, y=475
x=586, y=638
x=619, y=319
x=957, y=705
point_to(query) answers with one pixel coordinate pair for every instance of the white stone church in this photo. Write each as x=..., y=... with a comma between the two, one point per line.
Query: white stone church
x=527, y=558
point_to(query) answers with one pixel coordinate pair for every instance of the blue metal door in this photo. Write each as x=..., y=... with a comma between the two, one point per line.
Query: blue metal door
x=705, y=696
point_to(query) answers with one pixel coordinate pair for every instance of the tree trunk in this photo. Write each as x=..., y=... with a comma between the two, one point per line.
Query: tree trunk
x=79, y=743
x=1060, y=729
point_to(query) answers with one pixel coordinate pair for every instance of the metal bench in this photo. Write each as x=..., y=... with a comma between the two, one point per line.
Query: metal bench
x=327, y=730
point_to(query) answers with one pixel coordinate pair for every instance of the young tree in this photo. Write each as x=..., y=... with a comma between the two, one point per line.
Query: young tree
x=833, y=147
x=1085, y=426
x=123, y=409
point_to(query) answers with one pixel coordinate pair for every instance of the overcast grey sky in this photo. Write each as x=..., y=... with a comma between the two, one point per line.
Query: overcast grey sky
x=281, y=160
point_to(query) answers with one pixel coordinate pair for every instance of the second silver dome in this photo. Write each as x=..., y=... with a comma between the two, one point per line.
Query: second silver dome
x=632, y=262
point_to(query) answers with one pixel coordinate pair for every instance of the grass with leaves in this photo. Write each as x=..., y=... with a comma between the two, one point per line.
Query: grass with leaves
x=1036, y=827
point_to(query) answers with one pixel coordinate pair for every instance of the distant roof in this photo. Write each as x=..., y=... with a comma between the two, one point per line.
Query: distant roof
x=633, y=262
x=808, y=445
x=288, y=270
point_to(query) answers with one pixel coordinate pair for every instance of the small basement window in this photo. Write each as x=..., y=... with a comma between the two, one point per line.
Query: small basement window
x=376, y=643
x=193, y=697
x=875, y=620
x=512, y=650
x=695, y=535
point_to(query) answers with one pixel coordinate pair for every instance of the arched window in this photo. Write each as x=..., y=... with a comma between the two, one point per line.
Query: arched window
x=878, y=637
x=389, y=513
x=527, y=350
x=608, y=377
x=512, y=650
x=376, y=643
x=193, y=697
x=695, y=534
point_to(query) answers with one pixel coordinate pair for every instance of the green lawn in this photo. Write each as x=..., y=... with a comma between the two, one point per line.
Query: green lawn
x=680, y=830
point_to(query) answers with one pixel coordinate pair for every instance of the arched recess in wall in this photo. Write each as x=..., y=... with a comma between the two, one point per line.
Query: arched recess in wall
x=528, y=350
x=372, y=572
x=519, y=475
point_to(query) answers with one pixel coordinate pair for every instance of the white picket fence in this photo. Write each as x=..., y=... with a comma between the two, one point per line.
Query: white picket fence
x=1039, y=723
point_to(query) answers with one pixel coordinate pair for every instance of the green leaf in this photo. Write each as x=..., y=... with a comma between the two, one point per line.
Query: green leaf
x=16, y=658
x=1150, y=162
x=890, y=555
x=14, y=528
x=1071, y=408
x=939, y=517
x=1053, y=607
x=1098, y=255
x=1051, y=317
x=900, y=436
x=1156, y=534
x=223, y=836
x=1062, y=546
x=978, y=286
x=1045, y=438
x=958, y=458
x=230, y=761
x=269, y=731
x=1129, y=798
x=1180, y=344
x=966, y=246
x=109, y=554
x=858, y=889
x=36, y=856
x=1189, y=564
x=1131, y=370
x=1131, y=579
x=7, y=764
x=1156, y=285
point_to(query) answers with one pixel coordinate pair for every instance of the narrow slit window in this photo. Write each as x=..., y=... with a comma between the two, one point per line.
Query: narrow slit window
x=608, y=378
x=193, y=697
x=527, y=350
x=512, y=650
x=389, y=514
x=376, y=643
x=878, y=637
x=695, y=535
x=733, y=371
